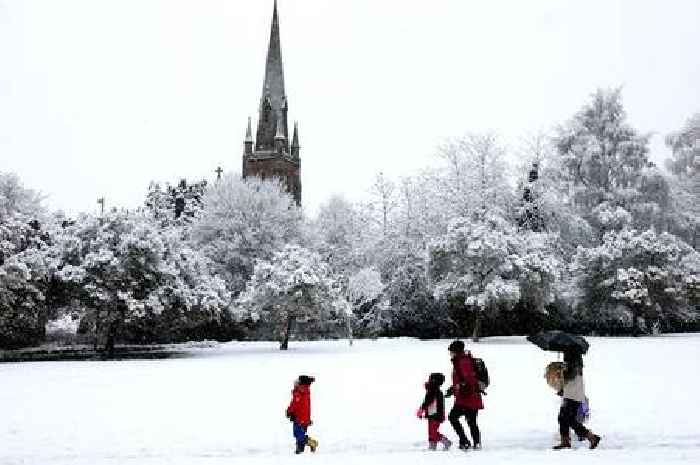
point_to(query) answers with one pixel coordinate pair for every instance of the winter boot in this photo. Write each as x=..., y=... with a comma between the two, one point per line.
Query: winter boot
x=300, y=448
x=477, y=446
x=565, y=443
x=446, y=443
x=594, y=439
x=464, y=445
x=432, y=445
x=312, y=443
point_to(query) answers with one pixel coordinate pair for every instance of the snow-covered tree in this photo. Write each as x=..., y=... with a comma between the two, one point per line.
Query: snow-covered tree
x=604, y=162
x=383, y=203
x=531, y=214
x=245, y=220
x=123, y=267
x=178, y=205
x=538, y=269
x=23, y=264
x=294, y=286
x=547, y=198
x=364, y=292
x=684, y=216
x=15, y=199
x=338, y=234
x=412, y=309
x=474, y=180
x=684, y=213
x=473, y=263
x=639, y=276
x=421, y=212
x=685, y=145
x=489, y=266
x=23, y=282
x=364, y=287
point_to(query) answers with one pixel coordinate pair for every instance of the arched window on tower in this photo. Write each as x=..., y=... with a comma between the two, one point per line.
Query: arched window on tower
x=267, y=110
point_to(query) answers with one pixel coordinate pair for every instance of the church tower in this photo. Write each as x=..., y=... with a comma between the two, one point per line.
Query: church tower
x=272, y=154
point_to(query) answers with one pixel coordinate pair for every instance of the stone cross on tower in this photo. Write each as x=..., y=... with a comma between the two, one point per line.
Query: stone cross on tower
x=101, y=201
x=218, y=172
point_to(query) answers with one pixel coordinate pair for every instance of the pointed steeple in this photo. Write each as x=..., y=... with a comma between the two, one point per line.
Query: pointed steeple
x=273, y=101
x=274, y=72
x=272, y=154
x=295, y=141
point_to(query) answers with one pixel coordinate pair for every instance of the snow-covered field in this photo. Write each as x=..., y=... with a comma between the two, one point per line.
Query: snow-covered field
x=226, y=405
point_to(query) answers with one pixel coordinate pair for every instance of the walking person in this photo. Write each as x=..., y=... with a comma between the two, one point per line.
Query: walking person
x=465, y=388
x=433, y=408
x=299, y=413
x=573, y=396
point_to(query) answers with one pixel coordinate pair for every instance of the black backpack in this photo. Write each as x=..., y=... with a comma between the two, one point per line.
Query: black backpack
x=482, y=374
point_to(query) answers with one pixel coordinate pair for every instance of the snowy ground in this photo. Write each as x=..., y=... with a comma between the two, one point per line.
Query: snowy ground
x=226, y=405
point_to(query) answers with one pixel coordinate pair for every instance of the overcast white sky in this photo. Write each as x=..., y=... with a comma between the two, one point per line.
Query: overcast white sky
x=99, y=97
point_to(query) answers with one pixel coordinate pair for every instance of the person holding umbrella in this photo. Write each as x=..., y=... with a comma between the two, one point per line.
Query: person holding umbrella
x=573, y=395
x=573, y=389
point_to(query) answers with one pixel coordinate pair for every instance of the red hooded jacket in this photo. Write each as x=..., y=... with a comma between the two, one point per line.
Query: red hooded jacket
x=300, y=405
x=464, y=382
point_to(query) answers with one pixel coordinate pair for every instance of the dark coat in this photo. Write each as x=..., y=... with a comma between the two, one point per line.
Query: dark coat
x=573, y=365
x=433, y=403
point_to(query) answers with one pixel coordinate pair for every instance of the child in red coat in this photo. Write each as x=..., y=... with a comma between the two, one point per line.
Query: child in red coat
x=299, y=413
x=433, y=408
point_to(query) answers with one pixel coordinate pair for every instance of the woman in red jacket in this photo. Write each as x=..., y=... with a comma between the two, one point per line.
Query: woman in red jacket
x=465, y=388
x=299, y=413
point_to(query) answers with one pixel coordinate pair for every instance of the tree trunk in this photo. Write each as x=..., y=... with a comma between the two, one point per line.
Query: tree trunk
x=477, y=326
x=96, y=335
x=284, y=345
x=349, y=323
x=636, y=317
x=109, y=344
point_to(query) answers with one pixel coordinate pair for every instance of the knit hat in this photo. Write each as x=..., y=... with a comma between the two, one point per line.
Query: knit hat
x=456, y=347
x=306, y=380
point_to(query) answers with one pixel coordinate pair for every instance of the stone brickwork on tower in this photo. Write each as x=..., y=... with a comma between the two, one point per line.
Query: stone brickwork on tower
x=271, y=154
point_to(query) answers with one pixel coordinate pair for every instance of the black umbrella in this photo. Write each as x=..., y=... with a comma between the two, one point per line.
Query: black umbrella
x=559, y=341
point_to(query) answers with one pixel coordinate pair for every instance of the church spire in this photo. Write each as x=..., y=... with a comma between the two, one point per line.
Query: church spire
x=274, y=72
x=271, y=154
x=295, y=141
x=273, y=102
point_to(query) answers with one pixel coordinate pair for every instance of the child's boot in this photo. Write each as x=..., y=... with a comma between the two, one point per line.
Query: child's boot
x=446, y=443
x=300, y=448
x=432, y=445
x=313, y=444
